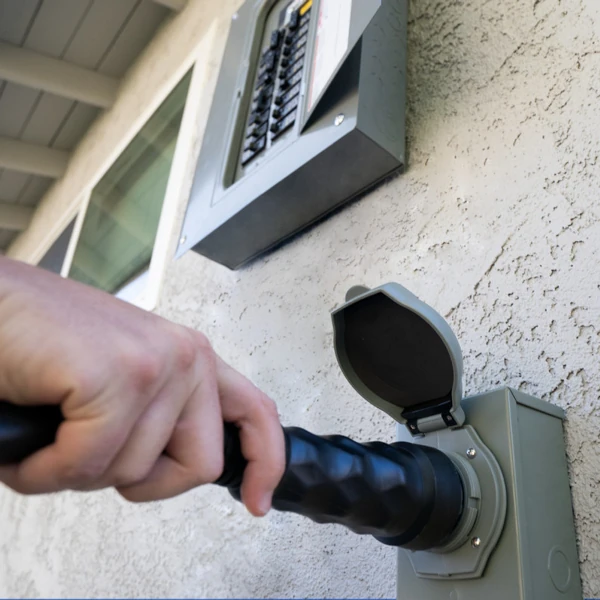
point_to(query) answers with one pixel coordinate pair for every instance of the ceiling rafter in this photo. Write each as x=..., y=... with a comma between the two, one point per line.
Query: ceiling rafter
x=58, y=77
x=15, y=217
x=176, y=5
x=30, y=158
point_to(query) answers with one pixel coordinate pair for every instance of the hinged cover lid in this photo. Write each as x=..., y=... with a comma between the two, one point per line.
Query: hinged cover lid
x=340, y=25
x=401, y=356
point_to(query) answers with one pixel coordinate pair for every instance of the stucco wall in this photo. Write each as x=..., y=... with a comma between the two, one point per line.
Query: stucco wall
x=495, y=224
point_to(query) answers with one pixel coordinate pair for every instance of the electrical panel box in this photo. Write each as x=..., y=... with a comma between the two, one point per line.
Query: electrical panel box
x=308, y=113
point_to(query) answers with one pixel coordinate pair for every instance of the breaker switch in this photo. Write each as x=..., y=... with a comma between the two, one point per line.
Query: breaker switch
x=276, y=39
x=294, y=20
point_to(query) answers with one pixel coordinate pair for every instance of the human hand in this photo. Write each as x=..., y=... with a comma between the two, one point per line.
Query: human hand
x=144, y=400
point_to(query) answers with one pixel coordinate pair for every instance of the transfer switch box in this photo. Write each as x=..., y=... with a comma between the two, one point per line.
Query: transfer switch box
x=308, y=113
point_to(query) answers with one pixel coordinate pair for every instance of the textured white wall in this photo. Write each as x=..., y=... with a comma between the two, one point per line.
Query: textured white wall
x=495, y=224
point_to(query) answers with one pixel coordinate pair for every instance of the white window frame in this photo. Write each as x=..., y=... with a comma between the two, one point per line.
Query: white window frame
x=144, y=291
x=145, y=296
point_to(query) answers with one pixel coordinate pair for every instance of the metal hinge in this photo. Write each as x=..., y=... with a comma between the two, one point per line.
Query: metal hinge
x=448, y=419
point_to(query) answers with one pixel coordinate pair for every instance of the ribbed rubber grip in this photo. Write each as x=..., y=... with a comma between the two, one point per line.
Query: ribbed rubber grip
x=403, y=494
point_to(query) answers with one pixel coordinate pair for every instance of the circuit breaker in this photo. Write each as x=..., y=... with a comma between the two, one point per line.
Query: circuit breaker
x=308, y=113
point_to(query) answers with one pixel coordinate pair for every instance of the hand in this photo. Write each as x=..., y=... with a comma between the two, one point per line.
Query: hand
x=144, y=400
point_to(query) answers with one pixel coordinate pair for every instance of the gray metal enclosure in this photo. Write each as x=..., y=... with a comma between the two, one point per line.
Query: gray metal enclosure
x=536, y=555
x=248, y=196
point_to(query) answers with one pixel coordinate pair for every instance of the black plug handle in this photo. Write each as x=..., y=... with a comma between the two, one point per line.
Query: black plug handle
x=25, y=430
x=403, y=494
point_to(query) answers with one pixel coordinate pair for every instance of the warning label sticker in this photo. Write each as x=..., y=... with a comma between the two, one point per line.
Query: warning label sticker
x=333, y=37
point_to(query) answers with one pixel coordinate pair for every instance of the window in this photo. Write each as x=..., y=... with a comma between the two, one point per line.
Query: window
x=54, y=258
x=115, y=246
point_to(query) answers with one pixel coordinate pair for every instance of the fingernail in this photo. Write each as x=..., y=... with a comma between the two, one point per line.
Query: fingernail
x=264, y=506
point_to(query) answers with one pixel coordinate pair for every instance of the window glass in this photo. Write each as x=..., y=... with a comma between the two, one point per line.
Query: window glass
x=120, y=225
x=55, y=257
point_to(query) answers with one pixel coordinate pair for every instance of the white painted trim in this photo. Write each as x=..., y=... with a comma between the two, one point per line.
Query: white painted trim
x=195, y=114
x=133, y=291
x=31, y=158
x=144, y=116
x=171, y=52
x=82, y=210
x=146, y=300
x=40, y=72
x=196, y=109
x=204, y=58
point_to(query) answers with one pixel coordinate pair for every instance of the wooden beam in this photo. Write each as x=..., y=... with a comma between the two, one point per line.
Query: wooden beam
x=176, y=5
x=29, y=158
x=15, y=217
x=40, y=72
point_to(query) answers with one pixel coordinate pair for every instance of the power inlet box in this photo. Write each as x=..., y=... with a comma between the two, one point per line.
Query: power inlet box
x=308, y=113
x=515, y=538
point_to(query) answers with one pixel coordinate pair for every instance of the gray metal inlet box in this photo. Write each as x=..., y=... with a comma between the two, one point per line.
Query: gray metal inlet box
x=516, y=537
x=308, y=113
x=536, y=554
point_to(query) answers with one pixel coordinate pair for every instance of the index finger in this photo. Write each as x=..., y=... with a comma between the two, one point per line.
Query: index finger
x=261, y=436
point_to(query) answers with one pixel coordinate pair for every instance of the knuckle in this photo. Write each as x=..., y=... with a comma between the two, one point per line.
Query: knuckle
x=143, y=368
x=187, y=346
x=84, y=381
x=203, y=346
x=18, y=488
x=82, y=474
x=206, y=359
x=210, y=472
x=202, y=341
x=131, y=475
x=207, y=471
x=270, y=407
x=263, y=404
x=184, y=348
x=131, y=496
x=21, y=491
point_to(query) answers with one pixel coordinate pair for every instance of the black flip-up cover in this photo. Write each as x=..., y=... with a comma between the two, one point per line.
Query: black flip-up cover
x=400, y=355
